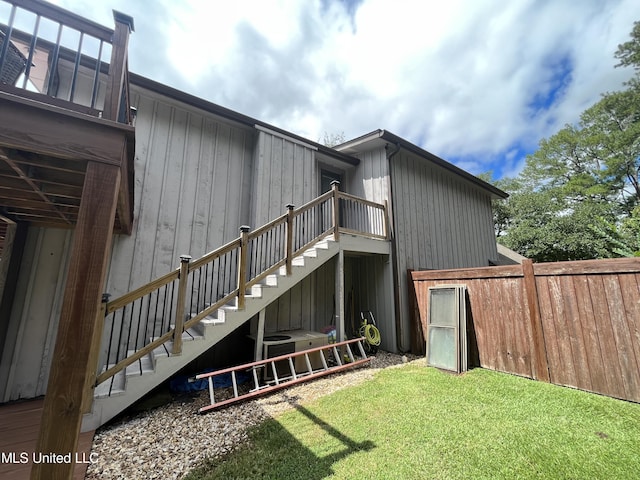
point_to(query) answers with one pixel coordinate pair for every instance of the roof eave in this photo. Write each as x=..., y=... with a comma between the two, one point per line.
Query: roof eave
x=233, y=116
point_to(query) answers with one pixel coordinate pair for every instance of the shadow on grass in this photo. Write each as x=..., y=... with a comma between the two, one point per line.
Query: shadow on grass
x=275, y=453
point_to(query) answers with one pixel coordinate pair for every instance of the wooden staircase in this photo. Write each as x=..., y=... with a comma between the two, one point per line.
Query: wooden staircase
x=156, y=330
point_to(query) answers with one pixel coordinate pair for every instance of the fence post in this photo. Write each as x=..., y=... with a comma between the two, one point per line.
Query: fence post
x=289, y=246
x=539, y=362
x=180, y=307
x=335, y=188
x=242, y=266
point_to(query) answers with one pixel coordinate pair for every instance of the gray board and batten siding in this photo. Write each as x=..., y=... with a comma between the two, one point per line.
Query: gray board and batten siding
x=440, y=216
x=199, y=176
x=440, y=221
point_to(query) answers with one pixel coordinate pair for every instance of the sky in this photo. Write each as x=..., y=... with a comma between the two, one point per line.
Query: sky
x=476, y=82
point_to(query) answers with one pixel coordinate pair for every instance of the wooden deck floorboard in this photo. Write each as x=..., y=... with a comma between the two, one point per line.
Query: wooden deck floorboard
x=19, y=428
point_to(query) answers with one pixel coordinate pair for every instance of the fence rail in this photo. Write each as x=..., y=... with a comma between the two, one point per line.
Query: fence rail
x=571, y=323
x=146, y=318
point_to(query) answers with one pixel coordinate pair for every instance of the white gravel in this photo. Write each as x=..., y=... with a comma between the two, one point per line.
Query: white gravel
x=170, y=440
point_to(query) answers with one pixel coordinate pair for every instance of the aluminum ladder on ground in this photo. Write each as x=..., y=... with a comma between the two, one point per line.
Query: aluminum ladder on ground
x=343, y=359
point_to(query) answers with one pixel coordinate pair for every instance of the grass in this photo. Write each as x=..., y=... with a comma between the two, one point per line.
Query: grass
x=419, y=423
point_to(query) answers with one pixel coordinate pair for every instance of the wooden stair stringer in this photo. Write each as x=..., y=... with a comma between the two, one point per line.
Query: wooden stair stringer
x=132, y=387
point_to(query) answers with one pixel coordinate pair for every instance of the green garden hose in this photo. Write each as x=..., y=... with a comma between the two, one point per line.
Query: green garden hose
x=371, y=334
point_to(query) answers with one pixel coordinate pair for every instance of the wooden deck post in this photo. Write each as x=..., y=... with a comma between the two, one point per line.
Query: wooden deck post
x=181, y=310
x=242, y=266
x=335, y=188
x=340, y=308
x=118, y=68
x=71, y=365
x=539, y=362
x=289, y=247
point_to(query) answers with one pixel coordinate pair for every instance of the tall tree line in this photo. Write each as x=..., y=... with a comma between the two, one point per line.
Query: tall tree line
x=578, y=196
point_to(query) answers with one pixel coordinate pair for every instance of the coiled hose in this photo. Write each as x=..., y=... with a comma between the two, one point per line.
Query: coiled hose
x=371, y=335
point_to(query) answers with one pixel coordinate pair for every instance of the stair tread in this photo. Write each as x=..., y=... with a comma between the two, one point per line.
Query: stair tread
x=150, y=364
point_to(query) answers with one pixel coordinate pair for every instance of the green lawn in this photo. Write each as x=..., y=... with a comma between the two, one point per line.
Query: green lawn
x=416, y=422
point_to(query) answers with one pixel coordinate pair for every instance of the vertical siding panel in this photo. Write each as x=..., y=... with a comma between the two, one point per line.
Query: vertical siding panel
x=214, y=207
x=165, y=258
x=144, y=244
x=204, y=186
x=190, y=173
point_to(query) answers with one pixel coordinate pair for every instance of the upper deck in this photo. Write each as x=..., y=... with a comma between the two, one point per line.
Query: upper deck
x=64, y=102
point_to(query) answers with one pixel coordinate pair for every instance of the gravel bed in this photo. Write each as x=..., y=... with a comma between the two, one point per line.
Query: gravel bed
x=170, y=440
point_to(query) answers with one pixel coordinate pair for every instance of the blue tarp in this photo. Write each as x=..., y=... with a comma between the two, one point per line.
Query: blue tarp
x=182, y=384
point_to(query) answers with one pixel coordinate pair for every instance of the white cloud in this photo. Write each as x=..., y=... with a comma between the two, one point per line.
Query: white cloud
x=460, y=77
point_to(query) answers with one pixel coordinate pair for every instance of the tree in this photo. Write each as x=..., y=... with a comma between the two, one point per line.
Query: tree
x=333, y=139
x=578, y=196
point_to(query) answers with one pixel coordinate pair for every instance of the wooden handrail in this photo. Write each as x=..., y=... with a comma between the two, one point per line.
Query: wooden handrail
x=259, y=231
x=363, y=201
x=140, y=292
x=211, y=256
x=313, y=203
x=65, y=17
x=239, y=244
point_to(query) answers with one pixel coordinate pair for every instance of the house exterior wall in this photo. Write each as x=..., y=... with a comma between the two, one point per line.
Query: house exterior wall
x=440, y=221
x=192, y=190
x=285, y=171
x=33, y=323
x=198, y=178
x=371, y=277
x=369, y=286
x=370, y=179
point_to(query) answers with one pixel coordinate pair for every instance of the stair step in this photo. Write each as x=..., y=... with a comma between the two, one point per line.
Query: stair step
x=113, y=386
x=298, y=261
x=219, y=323
x=255, y=291
x=139, y=367
x=223, y=311
x=192, y=333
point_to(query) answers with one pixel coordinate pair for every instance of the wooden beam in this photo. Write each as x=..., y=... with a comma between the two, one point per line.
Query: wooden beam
x=62, y=415
x=42, y=129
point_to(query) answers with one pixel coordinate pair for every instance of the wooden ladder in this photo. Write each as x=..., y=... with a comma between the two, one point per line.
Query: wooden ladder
x=342, y=358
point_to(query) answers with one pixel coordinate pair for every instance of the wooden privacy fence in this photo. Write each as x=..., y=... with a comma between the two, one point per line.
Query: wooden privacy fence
x=570, y=323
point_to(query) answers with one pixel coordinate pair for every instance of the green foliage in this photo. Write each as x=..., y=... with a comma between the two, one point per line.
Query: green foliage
x=416, y=422
x=575, y=197
x=629, y=52
x=623, y=240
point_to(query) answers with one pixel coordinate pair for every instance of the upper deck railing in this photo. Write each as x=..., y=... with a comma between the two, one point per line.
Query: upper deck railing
x=57, y=57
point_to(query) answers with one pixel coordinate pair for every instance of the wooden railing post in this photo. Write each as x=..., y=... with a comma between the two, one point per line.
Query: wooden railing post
x=180, y=307
x=385, y=219
x=335, y=188
x=289, y=246
x=118, y=66
x=242, y=266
